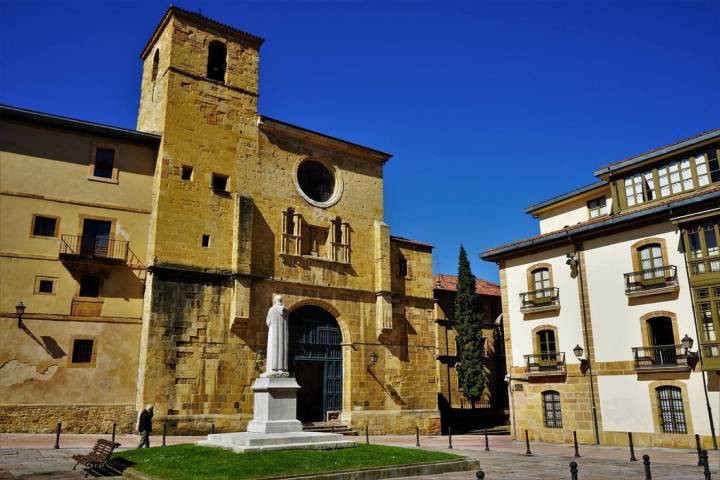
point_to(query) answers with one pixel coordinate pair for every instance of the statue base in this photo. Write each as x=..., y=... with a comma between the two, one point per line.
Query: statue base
x=274, y=425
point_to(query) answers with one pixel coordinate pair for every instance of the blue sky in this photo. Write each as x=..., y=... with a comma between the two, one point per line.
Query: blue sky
x=487, y=107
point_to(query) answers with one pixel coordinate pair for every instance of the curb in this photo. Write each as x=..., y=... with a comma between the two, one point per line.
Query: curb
x=432, y=468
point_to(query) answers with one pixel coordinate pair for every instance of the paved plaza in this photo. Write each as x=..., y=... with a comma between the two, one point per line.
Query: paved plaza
x=31, y=457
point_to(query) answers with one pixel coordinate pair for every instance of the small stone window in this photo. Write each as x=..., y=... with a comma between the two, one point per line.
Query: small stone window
x=90, y=286
x=316, y=181
x=156, y=64
x=206, y=241
x=82, y=350
x=104, y=162
x=552, y=413
x=46, y=286
x=402, y=267
x=217, y=61
x=44, y=226
x=219, y=182
x=187, y=173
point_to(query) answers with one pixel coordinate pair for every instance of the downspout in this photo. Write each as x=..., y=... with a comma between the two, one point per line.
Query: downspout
x=697, y=333
x=583, y=314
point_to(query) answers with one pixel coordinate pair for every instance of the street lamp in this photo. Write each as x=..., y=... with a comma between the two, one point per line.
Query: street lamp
x=578, y=351
x=19, y=311
x=691, y=358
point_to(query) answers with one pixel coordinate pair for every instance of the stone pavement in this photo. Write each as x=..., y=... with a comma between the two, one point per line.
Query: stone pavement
x=31, y=457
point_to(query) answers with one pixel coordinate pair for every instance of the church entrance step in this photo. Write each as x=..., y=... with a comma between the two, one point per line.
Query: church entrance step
x=328, y=427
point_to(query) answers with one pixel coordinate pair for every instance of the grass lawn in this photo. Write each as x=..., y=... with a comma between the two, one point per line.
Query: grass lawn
x=186, y=462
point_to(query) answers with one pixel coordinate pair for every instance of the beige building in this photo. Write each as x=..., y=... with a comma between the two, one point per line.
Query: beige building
x=163, y=246
x=599, y=307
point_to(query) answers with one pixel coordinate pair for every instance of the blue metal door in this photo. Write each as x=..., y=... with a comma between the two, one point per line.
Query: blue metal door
x=315, y=337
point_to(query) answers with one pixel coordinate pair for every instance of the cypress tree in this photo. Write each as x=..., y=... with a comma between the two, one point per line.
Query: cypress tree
x=470, y=342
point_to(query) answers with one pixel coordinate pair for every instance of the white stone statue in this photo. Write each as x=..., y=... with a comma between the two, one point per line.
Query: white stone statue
x=277, y=343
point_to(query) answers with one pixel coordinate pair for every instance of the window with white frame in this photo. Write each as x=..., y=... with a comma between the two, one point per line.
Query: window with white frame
x=597, y=207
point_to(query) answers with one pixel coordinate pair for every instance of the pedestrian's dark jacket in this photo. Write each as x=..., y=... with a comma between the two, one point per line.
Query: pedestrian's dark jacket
x=145, y=424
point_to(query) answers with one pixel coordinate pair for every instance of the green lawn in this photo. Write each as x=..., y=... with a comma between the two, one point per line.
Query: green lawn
x=181, y=462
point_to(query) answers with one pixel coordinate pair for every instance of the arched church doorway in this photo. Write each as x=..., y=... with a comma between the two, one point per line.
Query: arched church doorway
x=315, y=358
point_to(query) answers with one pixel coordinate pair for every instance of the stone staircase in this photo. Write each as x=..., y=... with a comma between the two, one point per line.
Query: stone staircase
x=328, y=427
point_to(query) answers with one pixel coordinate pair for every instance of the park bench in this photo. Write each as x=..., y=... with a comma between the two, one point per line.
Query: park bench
x=98, y=457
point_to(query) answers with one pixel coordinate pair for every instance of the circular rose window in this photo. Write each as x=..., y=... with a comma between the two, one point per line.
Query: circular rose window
x=317, y=183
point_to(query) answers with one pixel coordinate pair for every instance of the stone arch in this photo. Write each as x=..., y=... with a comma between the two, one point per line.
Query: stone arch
x=536, y=341
x=645, y=331
x=635, y=247
x=655, y=408
x=331, y=309
x=531, y=269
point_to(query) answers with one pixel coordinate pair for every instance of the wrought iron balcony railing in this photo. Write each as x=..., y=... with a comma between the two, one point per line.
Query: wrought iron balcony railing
x=653, y=280
x=87, y=247
x=660, y=357
x=552, y=363
x=539, y=300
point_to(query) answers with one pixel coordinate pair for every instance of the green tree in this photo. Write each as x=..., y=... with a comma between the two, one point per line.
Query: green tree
x=467, y=323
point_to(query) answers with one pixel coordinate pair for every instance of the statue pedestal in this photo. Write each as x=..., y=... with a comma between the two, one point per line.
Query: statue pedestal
x=275, y=408
x=275, y=425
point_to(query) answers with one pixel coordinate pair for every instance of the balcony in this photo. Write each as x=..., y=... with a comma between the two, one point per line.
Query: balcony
x=545, y=364
x=652, y=281
x=660, y=358
x=543, y=300
x=97, y=249
x=710, y=355
x=704, y=267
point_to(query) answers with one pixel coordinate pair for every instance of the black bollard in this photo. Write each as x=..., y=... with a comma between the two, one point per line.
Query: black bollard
x=212, y=428
x=113, y=435
x=527, y=444
x=480, y=475
x=573, y=471
x=367, y=435
x=646, y=463
x=699, y=449
x=417, y=436
x=449, y=437
x=164, y=432
x=57, y=435
x=487, y=442
x=332, y=428
x=577, y=454
x=706, y=465
x=632, y=448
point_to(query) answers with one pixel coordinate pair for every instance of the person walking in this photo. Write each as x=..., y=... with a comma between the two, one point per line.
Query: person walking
x=145, y=426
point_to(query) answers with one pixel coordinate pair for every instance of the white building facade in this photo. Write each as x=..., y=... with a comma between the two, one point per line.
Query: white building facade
x=600, y=307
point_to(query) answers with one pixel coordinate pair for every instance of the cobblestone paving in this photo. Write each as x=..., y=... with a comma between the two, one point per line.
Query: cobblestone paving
x=31, y=457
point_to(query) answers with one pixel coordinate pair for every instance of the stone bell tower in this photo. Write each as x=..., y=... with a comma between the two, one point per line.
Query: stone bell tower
x=199, y=91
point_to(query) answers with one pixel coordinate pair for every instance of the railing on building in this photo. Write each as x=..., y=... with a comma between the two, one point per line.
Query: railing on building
x=660, y=357
x=710, y=351
x=539, y=300
x=704, y=266
x=99, y=248
x=552, y=363
x=653, y=280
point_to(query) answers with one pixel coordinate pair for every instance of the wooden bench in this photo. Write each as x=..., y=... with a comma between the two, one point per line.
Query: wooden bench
x=98, y=457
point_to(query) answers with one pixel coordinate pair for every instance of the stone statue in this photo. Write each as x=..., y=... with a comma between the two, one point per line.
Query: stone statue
x=277, y=343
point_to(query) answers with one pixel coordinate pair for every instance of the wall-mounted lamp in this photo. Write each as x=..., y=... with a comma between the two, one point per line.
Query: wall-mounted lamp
x=20, y=311
x=572, y=262
x=373, y=359
x=578, y=351
x=691, y=358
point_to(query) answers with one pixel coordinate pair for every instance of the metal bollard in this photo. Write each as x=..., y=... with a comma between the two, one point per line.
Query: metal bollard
x=577, y=454
x=212, y=428
x=699, y=449
x=646, y=463
x=487, y=442
x=449, y=437
x=480, y=475
x=573, y=471
x=417, y=436
x=632, y=449
x=57, y=435
x=527, y=444
x=706, y=465
x=113, y=434
x=332, y=428
x=164, y=432
x=367, y=435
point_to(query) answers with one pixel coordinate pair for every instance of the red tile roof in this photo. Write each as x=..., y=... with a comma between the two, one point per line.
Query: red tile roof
x=449, y=282
x=410, y=242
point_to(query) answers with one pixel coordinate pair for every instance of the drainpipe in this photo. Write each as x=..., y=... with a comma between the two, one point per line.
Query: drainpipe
x=587, y=343
x=697, y=333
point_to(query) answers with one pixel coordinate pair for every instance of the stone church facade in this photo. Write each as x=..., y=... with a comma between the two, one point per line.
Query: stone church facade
x=237, y=206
